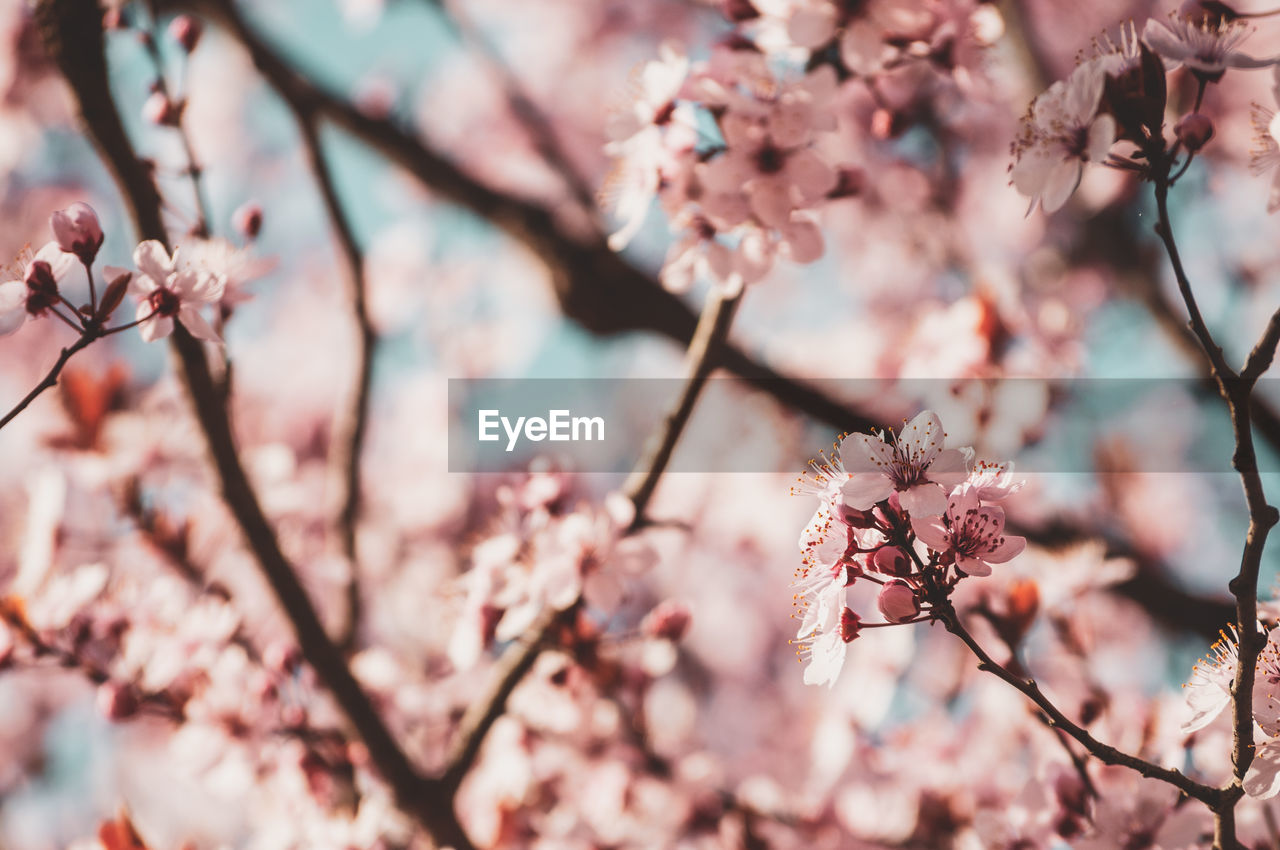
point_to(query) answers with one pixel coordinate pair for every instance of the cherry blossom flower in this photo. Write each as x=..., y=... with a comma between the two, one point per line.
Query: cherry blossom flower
x=652, y=103
x=826, y=628
x=77, y=231
x=1209, y=690
x=1265, y=156
x=994, y=481
x=969, y=534
x=768, y=156
x=169, y=293
x=1207, y=47
x=915, y=465
x=1060, y=133
x=233, y=267
x=37, y=291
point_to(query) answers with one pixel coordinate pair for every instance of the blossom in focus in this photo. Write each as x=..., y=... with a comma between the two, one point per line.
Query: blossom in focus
x=1207, y=47
x=37, y=291
x=915, y=465
x=77, y=231
x=970, y=534
x=167, y=292
x=1060, y=133
x=1209, y=690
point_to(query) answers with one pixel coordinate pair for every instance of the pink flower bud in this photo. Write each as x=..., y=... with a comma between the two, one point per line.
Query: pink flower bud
x=186, y=31
x=1194, y=131
x=117, y=700
x=892, y=561
x=77, y=231
x=159, y=109
x=897, y=601
x=247, y=219
x=669, y=620
x=850, y=625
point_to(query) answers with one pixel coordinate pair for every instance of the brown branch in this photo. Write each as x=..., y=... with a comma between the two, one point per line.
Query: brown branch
x=72, y=32
x=515, y=663
x=713, y=328
x=1056, y=719
x=51, y=379
x=353, y=424
x=1262, y=516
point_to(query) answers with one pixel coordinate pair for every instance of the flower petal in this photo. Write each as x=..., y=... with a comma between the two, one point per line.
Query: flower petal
x=152, y=260
x=924, y=500
x=863, y=490
x=191, y=319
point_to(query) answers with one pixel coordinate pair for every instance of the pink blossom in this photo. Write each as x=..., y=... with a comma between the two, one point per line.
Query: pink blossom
x=1207, y=47
x=167, y=293
x=1062, y=131
x=77, y=231
x=969, y=534
x=915, y=465
x=1209, y=690
x=37, y=292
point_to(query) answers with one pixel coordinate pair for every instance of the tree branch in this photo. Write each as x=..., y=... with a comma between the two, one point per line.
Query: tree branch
x=72, y=31
x=713, y=328
x=1056, y=719
x=1262, y=517
x=353, y=422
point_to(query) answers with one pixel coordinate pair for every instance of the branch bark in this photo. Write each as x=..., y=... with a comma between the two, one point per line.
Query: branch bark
x=72, y=33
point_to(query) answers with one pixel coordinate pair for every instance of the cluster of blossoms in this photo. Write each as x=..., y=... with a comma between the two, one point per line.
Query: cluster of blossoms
x=545, y=554
x=1119, y=95
x=210, y=272
x=729, y=145
x=905, y=514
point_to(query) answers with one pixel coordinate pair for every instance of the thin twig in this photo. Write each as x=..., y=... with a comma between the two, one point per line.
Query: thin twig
x=1236, y=392
x=72, y=31
x=51, y=379
x=515, y=663
x=535, y=121
x=1055, y=718
x=713, y=327
x=353, y=422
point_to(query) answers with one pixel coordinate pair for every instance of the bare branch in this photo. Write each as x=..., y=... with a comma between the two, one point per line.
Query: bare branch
x=72, y=32
x=713, y=328
x=1056, y=719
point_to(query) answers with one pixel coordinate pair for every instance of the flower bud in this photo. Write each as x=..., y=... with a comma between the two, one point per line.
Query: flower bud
x=247, y=219
x=77, y=231
x=186, y=31
x=668, y=621
x=850, y=625
x=117, y=700
x=892, y=561
x=1194, y=131
x=897, y=602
